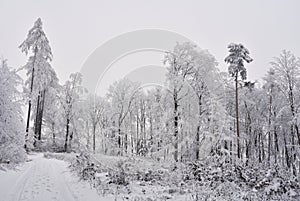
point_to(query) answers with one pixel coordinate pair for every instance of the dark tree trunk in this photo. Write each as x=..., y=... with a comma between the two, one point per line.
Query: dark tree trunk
x=27, y=125
x=29, y=102
x=67, y=134
x=36, y=121
x=198, y=127
x=132, y=132
x=276, y=146
x=297, y=132
x=176, y=127
x=41, y=113
x=53, y=133
x=237, y=115
x=259, y=148
x=119, y=139
x=197, y=141
x=39, y=117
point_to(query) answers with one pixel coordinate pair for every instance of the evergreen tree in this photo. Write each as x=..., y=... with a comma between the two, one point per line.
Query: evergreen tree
x=237, y=55
x=40, y=74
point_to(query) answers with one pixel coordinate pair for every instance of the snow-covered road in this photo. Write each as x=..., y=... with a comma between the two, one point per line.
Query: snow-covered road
x=44, y=179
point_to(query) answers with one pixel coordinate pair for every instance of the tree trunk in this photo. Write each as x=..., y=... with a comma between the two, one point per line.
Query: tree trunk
x=198, y=127
x=297, y=132
x=27, y=125
x=67, y=134
x=145, y=134
x=276, y=146
x=53, y=133
x=29, y=103
x=126, y=141
x=137, y=133
x=36, y=121
x=287, y=157
x=197, y=141
x=88, y=135
x=94, y=137
x=176, y=128
x=131, y=132
x=262, y=145
x=119, y=139
x=41, y=113
x=269, y=127
x=259, y=148
x=237, y=115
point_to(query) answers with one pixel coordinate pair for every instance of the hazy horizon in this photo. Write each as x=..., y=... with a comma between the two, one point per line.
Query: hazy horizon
x=76, y=28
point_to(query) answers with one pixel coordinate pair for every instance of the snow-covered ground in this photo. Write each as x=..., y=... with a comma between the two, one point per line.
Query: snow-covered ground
x=51, y=179
x=43, y=179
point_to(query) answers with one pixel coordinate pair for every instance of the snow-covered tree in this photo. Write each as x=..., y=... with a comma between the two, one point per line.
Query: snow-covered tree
x=70, y=98
x=40, y=74
x=121, y=95
x=53, y=118
x=287, y=71
x=205, y=81
x=287, y=67
x=180, y=64
x=11, y=123
x=238, y=54
x=95, y=111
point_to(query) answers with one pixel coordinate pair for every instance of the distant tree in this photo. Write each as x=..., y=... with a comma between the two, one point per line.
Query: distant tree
x=53, y=114
x=238, y=54
x=95, y=108
x=270, y=88
x=180, y=64
x=287, y=71
x=121, y=95
x=203, y=79
x=287, y=68
x=70, y=98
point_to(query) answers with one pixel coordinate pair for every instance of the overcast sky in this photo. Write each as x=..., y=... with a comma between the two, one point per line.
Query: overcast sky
x=76, y=28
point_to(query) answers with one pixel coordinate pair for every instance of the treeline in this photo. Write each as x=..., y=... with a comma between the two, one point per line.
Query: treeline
x=200, y=111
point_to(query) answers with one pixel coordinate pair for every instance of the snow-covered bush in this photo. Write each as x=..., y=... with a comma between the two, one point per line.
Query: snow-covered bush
x=218, y=179
x=213, y=178
x=119, y=176
x=12, y=153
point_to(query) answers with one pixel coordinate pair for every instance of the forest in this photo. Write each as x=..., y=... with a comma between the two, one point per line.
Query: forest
x=207, y=134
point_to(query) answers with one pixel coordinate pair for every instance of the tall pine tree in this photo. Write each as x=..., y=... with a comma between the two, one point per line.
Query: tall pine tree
x=237, y=55
x=40, y=74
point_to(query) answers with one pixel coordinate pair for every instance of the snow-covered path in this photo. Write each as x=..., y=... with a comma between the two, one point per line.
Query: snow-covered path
x=44, y=180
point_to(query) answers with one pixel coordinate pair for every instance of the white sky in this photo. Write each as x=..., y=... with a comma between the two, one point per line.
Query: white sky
x=76, y=28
